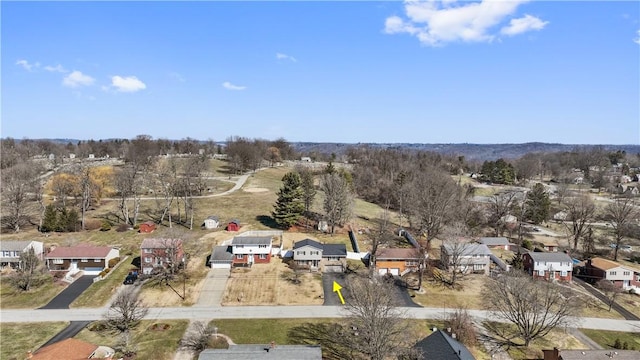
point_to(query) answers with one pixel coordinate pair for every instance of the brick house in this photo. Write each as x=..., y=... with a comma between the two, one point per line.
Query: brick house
x=397, y=261
x=620, y=275
x=555, y=266
x=159, y=252
x=88, y=258
x=249, y=250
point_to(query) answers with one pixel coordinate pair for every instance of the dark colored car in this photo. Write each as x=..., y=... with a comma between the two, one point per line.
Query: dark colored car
x=131, y=278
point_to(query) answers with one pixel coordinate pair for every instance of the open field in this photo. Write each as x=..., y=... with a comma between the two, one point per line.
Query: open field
x=152, y=342
x=607, y=339
x=437, y=295
x=17, y=339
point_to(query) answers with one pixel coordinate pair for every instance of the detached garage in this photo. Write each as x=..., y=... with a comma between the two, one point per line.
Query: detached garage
x=221, y=257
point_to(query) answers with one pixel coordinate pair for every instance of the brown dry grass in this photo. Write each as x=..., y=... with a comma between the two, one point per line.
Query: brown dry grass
x=468, y=296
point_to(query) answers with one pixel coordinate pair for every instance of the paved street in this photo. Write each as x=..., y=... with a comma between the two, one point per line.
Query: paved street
x=266, y=312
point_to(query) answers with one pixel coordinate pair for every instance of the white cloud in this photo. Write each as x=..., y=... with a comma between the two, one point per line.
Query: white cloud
x=281, y=56
x=127, y=84
x=77, y=79
x=637, y=39
x=57, y=68
x=26, y=65
x=230, y=86
x=523, y=24
x=436, y=23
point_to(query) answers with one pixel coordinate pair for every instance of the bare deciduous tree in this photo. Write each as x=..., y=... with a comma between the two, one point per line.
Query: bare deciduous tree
x=580, y=211
x=125, y=312
x=461, y=324
x=29, y=272
x=500, y=205
x=16, y=183
x=619, y=214
x=610, y=290
x=338, y=201
x=198, y=337
x=378, y=237
x=534, y=307
x=455, y=250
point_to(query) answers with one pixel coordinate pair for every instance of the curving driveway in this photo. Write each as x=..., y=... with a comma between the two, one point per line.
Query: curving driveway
x=68, y=295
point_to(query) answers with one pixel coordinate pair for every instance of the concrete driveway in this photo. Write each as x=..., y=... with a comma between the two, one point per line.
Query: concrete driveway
x=68, y=295
x=331, y=298
x=213, y=288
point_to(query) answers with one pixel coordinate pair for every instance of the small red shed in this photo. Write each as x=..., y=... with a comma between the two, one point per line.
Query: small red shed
x=147, y=227
x=234, y=225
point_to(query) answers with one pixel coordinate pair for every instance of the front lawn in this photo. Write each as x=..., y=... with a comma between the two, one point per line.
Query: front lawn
x=607, y=339
x=18, y=338
x=12, y=298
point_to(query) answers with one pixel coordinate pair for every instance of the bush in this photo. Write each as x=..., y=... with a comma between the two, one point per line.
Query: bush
x=97, y=326
x=123, y=227
x=526, y=243
x=92, y=224
x=617, y=344
x=113, y=262
x=107, y=270
x=102, y=273
x=106, y=226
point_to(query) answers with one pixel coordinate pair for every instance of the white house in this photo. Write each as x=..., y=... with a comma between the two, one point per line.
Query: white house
x=248, y=250
x=549, y=266
x=466, y=257
x=10, y=251
x=620, y=275
x=495, y=242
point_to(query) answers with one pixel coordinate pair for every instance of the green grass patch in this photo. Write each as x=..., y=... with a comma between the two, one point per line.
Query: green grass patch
x=12, y=298
x=18, y=338
x=101, y=291
x=151, y=344
x=556, y=338
x=607, y=339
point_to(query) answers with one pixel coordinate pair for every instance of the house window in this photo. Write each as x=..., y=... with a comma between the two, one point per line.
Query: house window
x=263, y=256
x=563, y=273
x=239, y=246
x=411, y=263
x=315, y=252
x=97, y=260
x=57, y=261
x=147, y=251
x=537, y=263
x=302, y=253
x=612, y=273
x=147, y=259
x=240, y=256
x=540, y=272
x=626, y=273
x=262, y=246
x=84, y=260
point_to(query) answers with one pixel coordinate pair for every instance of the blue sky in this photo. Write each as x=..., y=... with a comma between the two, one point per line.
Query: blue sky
x=419, y=72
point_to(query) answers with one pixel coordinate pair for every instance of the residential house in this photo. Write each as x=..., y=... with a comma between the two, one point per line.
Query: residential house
x=233, y=225
x=466, y=257
x=549, y=266
x=622, y=276
x=72, y=349
x=495, y=242
x=267, y=352
x=147, y=227
x=325, y=257
x=587, y=354
x=248, y=250
x=212, y=222
x=221, y=257
x=160, y=252
x=305, y=159
x=397, y=261
x=88, y=258
x=10, y=251
x=440, y=346
x=549, y=244
x=561, y=216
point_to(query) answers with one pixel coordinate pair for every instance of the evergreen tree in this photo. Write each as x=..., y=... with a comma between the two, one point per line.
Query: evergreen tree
x=50, y=221
x=308, y=188
x=538, y=204
x=290, y=204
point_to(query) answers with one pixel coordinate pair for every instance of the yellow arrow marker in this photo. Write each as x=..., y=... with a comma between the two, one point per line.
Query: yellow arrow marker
x=336, y=288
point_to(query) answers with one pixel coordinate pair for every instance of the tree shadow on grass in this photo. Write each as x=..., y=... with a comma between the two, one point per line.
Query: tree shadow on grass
x=267, y=221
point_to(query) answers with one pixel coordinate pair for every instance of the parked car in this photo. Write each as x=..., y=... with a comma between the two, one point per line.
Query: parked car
x=131, y=278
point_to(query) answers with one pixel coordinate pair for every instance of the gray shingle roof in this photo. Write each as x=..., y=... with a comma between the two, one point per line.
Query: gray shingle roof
x=440, y=346
x=494, y=241
x=599, y=354
x=221, y=253
x=251, y=240
x=469, y=249
x=279, y=352
x=334, y=250
x=550, y=256
x=307, y=242
x=14, y=245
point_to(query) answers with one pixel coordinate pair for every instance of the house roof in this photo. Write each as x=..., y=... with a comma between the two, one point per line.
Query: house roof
x=251, y=240
x=280, y=352
x=307, y=242
x=550, y=256
x=148, y=223
x=160, y=243
x=339, y=250
x=468, y=249
x=440, y=346
x=14, y=245
x=69, y=349
x=397, y=253
x=80, y=251
x=213, y=217
x=235, y=221
x=599, y=354
x=604, y=264
x=494, y=241
x=221, y=253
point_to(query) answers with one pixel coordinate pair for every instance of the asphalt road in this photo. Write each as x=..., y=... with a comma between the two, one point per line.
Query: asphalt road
x=68, y=295
x=70, y=331
x=332, y=299
x=628, y=315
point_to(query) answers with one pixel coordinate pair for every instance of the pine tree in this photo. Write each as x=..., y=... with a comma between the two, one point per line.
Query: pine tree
x=538, y=204
x=50, y=221
x=290, y=204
